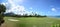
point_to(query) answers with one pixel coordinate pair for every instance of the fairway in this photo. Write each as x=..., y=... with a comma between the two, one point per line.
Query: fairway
x=31, y=22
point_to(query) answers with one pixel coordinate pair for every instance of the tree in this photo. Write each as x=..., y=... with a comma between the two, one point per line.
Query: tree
x=2, y=10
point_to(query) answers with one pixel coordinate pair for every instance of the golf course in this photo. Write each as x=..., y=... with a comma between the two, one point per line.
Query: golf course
x=31, y=22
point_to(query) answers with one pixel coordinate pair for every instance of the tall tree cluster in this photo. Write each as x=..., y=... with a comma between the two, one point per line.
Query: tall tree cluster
x=2, y=10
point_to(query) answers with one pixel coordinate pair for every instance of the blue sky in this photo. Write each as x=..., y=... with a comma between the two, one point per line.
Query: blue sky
x=43, y=7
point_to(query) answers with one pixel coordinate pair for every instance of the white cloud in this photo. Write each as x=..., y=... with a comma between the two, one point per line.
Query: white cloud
x=13, y=7
x=19, y=1
x=54, y=9
x=36, y=12
x=19, y=9
x=4, y=3
x=10, y=1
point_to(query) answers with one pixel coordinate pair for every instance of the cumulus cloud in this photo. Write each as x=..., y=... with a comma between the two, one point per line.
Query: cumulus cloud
x=19, y=1
x=54, y=9
x=13, y=7
x=4, y=3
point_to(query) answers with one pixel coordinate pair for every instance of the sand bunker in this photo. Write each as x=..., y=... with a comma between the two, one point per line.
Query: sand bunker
x=13, y=20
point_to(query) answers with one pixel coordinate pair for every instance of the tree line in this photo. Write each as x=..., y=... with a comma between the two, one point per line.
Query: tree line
x=11, y=14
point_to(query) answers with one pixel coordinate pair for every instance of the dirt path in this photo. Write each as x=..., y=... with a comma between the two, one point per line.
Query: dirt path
x=8, y=24
x=4, y=25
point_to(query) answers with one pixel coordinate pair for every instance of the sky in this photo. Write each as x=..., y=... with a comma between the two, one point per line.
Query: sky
x=42, y=7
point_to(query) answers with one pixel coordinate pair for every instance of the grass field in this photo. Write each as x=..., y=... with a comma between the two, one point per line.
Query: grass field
x=32, y=22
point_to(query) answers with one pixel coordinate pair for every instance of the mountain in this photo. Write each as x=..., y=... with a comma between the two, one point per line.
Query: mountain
x=9, y=14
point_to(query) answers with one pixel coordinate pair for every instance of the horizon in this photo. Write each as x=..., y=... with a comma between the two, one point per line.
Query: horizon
x=42, y=7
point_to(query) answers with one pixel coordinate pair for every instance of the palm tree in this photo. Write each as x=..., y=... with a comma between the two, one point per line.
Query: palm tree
x=2, y=10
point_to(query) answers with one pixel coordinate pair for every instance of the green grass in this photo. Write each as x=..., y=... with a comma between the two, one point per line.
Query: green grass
x=32, y=22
